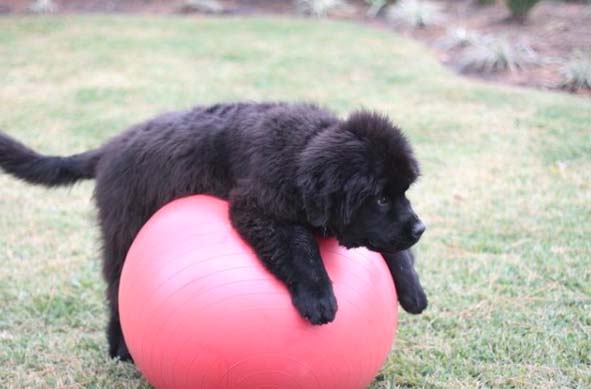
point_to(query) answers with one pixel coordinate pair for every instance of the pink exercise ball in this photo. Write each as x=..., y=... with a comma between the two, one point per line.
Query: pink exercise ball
x=199, y=310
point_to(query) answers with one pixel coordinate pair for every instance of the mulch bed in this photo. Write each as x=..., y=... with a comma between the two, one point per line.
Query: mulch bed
x=553, y=30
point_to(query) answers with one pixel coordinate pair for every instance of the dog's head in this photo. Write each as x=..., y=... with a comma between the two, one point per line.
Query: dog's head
x=353, y=178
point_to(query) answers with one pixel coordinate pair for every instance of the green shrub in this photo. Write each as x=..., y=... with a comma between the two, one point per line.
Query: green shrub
x=520, y=8
x=458, y=37
x=202, y=6
x=375, y=6
x=577, y=72
x=490, y=54
x=485, y=2
x=318, y=8
x=417, y=13
x=43, y=6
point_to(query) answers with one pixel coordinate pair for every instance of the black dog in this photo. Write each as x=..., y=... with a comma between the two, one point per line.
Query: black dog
x=289, y=171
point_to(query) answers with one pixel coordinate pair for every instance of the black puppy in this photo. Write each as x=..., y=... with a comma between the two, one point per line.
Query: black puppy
x=289, y=171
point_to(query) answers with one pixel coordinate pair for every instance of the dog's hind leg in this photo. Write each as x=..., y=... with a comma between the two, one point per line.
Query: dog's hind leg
x=117, y=345
x=112, y=266
x=119, y=226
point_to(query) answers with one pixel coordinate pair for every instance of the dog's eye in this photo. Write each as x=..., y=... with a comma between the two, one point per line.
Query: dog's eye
x=383, y=200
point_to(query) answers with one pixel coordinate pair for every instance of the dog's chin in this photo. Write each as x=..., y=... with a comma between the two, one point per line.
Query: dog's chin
x=370, y=245
x=389, y=249
x=351, y=243
x=379, y=248
x=376, y=246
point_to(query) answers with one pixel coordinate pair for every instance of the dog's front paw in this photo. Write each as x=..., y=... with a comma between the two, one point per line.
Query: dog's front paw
x=316, y=306
x=413, y=301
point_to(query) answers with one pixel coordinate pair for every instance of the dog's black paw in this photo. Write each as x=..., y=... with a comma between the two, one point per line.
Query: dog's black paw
x=120, y=351
x=316, y=306
x=413, y=301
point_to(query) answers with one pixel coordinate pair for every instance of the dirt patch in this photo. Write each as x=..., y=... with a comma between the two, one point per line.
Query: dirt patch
x=553, y=30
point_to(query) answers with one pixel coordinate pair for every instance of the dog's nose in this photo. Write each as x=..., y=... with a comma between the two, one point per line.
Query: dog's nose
x=417, y=230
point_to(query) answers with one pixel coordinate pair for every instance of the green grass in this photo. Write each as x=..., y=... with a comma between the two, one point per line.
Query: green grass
x=506, y=189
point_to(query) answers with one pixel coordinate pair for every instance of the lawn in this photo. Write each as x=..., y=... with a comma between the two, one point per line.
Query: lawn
x=505, y=191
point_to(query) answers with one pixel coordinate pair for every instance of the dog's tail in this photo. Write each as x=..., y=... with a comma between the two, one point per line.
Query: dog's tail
x=24, y=163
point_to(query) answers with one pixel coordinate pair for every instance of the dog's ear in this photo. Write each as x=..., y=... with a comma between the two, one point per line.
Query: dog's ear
x=333, y=176
x=318, y=175
x=356, y=191
x=324, y=195
x=317, y=209
x=316, y=196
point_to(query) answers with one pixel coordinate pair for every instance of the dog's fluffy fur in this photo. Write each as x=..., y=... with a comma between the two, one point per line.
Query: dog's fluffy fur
x=289, y=171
